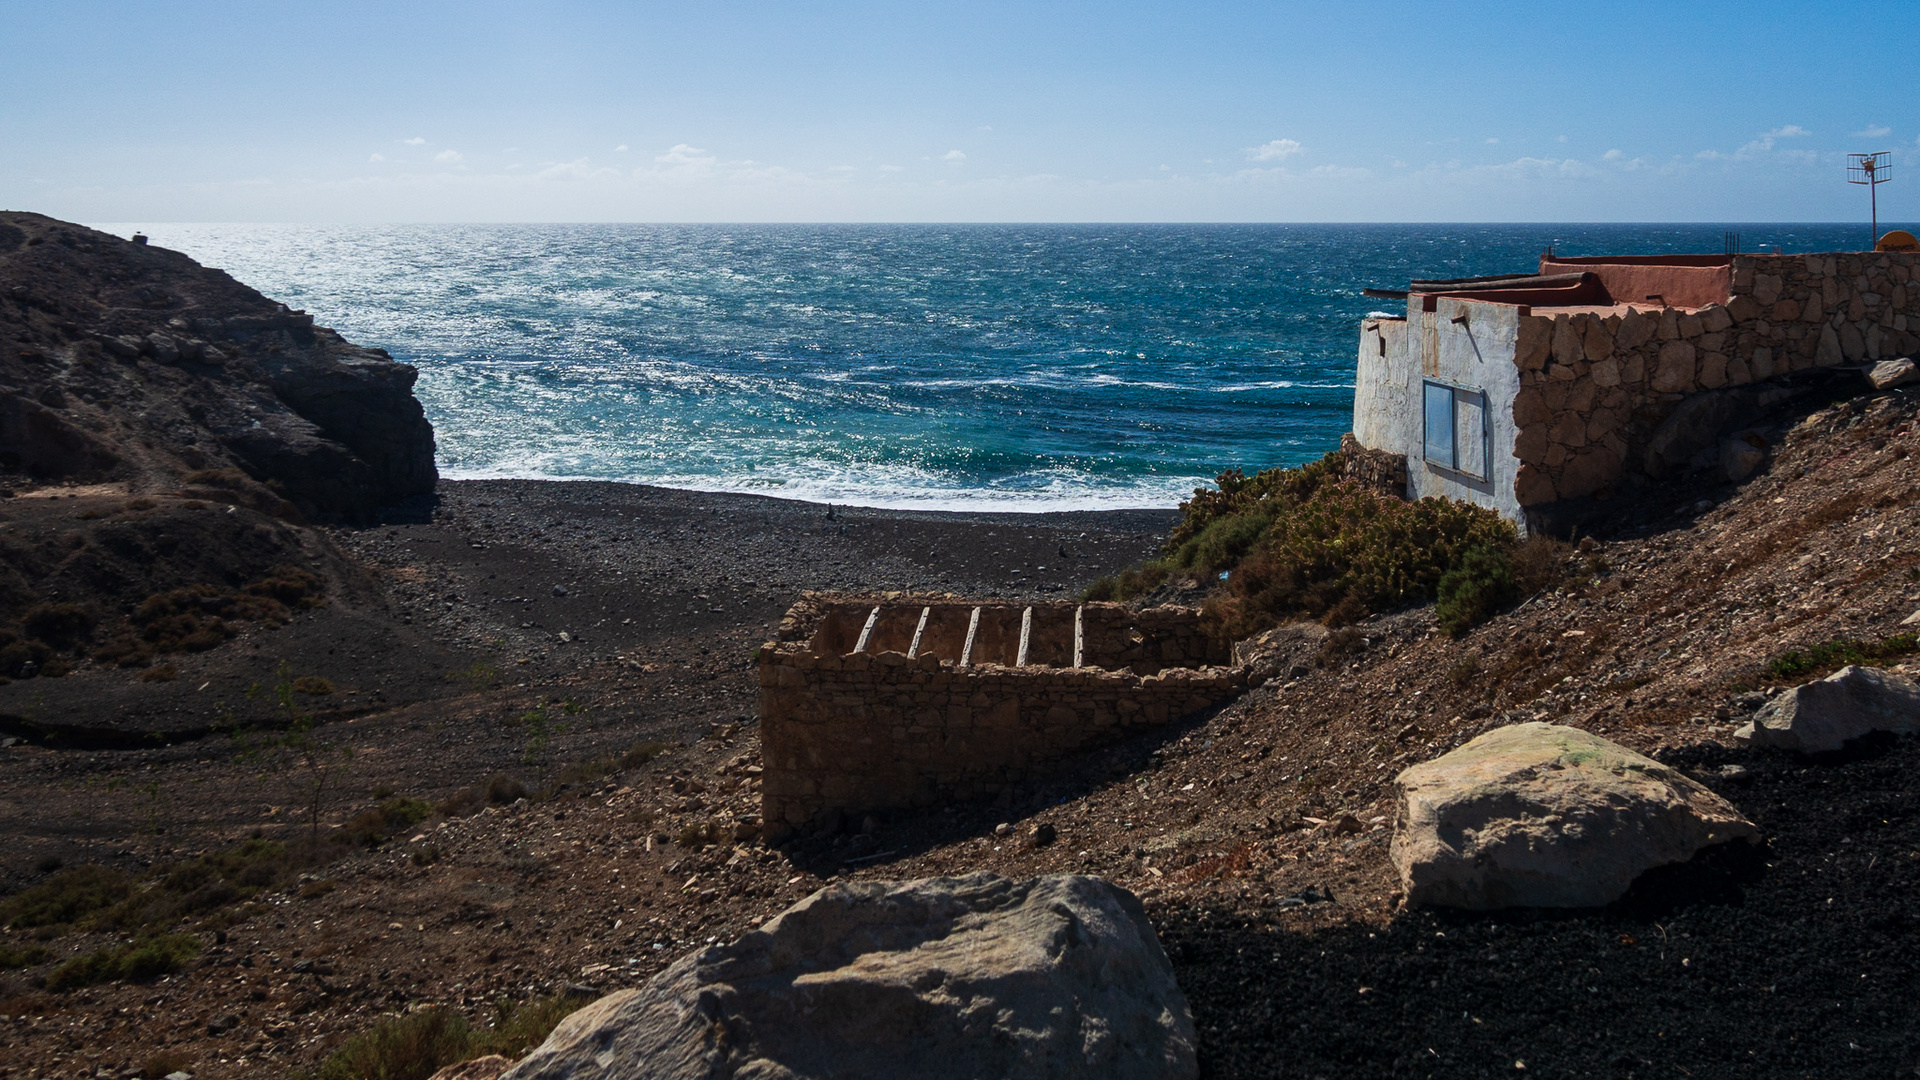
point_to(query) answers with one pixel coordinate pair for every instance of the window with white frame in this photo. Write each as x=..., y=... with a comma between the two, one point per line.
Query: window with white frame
x=1455, y=421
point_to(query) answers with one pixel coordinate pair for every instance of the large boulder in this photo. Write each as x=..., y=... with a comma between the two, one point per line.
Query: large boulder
x=1539, y=815
x=977, y=976
x=1825, y=714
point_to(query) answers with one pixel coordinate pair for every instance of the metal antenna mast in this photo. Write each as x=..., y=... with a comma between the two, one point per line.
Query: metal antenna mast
x=1871, y=170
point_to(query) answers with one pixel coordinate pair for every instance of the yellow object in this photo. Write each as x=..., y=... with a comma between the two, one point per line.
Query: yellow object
x=1898, y=240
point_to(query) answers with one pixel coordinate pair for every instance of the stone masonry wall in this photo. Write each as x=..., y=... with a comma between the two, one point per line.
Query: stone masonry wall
x=860, y=731
x=1594, y=389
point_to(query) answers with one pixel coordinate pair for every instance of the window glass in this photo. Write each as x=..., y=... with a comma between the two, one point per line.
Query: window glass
x=1439, y=424
x=1470, y=432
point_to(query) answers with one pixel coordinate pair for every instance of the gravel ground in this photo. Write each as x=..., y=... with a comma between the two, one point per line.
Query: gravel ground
x=1257, y=835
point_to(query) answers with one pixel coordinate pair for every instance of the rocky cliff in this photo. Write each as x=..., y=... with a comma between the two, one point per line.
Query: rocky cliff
x=124, y=362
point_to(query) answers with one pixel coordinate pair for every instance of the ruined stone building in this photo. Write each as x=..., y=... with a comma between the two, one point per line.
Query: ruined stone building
x=872, y=703
x=1529, y=392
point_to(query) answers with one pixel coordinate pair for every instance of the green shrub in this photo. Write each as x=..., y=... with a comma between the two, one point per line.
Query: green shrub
x=65, y=898
x=1348, y=547
x=1833, y=655
x=1128, y=584
x=410, y=1047
x=497, y=790
x=372, y=828
x=25, y=956
x=1478, y=586
x=416, y=1045
x=148, y=958
x=63, y=626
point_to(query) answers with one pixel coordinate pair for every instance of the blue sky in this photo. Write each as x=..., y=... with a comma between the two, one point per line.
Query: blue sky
x=977, y=111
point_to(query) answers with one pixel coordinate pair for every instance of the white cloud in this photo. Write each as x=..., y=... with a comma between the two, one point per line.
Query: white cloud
x=1277, y=150
x=1492, y=141
x=1613, y=155
x=686, y=156
x=415, y=141
x=449, y=157
x=890, y=168
x=378, y=157
x=1562, y=138
x=953, y=155
x=1874, y=131
x=1791, y=131
x=578, y=169
x=621, y=149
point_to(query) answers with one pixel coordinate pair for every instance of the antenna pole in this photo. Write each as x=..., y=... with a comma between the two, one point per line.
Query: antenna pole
x=1871, y=170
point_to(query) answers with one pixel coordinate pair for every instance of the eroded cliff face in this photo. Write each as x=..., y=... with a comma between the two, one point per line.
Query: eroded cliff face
x=131, y=363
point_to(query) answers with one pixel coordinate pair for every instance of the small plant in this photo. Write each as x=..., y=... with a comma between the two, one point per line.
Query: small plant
x=24, y=956
x=479, y=675
x=497, y=790
x=63, y=626
x=418, y=1044
x=1480, y=584
x=164, y=1063
x=375, y=826
x=313, y=686
x=426, y=855
x=65, y=898
x=410, y=1047
x=1833, y=655
x=149, y=958
x=160, y=673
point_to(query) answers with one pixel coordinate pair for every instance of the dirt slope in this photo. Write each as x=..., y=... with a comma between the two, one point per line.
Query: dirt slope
x=1257, y=835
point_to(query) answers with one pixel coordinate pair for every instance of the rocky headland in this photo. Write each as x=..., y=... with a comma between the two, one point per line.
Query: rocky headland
x=303, y=746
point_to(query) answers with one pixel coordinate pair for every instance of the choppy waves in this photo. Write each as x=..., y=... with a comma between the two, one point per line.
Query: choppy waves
x=981, y=367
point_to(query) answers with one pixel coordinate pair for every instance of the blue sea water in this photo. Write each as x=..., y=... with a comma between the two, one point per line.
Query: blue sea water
x=988, y=367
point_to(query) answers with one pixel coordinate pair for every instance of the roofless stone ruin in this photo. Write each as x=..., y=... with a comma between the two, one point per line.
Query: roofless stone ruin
x=870, y=703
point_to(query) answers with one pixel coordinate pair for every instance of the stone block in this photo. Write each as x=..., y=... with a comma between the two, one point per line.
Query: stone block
x=1567, y=348
x=1533, y=342
x=1675, y=373
x=1691, y=326
x=1716, y=319
x=1606, y=373
x=1595, y=340
x=1766, y=288
x=1636, y=329
x=1530, y=407
x=1744, y=309
x=1533, y=487
x=1569, y=431
x=1853, y=344
x=1713, y=371
x=1828, y=351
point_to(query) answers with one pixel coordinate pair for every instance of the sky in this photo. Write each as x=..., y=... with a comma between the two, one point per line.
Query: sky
x=727, y=110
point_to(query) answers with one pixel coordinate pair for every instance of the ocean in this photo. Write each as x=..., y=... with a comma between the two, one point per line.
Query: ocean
x=981, y=367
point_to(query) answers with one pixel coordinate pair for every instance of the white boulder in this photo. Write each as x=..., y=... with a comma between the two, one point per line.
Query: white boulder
x=1539, y=815
x=1825, y=714
x=977, y=976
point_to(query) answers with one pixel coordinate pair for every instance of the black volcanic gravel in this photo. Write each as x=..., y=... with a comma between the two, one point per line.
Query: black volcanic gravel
x=1800, y=960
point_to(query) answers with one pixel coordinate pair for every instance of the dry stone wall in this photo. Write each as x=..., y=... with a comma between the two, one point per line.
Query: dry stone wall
x=1595, y=389
x=853, y=731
